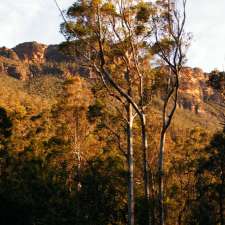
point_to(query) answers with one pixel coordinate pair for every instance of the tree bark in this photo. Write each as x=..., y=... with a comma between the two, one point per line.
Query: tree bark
x=161, y=177
x=130, y=166
x=146, y=168
x=78, y=156
x=221, y=201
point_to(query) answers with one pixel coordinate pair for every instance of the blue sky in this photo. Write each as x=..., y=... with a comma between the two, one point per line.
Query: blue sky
x=38, y=20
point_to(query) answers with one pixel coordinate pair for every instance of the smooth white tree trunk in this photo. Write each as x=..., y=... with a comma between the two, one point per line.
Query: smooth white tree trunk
x=130, y=166
x=161, y=177
x=146, y=168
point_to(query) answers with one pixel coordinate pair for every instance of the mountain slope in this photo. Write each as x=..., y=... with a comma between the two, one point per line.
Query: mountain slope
x=39, y=69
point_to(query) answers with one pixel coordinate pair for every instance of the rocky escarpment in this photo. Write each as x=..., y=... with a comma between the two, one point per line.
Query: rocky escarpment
x=11, y=66
x=8, y=53
x=31, y=52
x=195, y=93
x=32, y=59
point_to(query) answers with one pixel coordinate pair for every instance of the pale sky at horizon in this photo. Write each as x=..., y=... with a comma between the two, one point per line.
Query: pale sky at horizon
x=39, y=20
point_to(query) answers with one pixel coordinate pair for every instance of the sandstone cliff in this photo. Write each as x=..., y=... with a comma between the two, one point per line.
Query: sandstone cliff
x=32, y=59
x=31, y=52
x=195, y=92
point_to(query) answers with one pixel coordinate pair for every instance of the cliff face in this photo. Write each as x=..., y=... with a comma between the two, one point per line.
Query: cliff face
x=195, y=91
x=31, y=52
x=32, y=59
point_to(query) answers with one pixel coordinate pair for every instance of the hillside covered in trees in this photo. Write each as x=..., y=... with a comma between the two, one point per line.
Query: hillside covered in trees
x=105, y=129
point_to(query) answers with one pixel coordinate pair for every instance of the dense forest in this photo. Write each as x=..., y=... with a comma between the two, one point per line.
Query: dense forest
x=110, y=127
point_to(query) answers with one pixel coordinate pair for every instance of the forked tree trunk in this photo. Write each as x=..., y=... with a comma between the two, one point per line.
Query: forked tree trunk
x=168, y=114
x=130, y=166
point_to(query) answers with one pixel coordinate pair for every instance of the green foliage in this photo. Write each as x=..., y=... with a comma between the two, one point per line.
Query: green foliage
x=38, y=172
x=144, y=11
x=211, y=181
x=103, y=192
x=63, y=143
x=217, y=79
x=5, y=124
